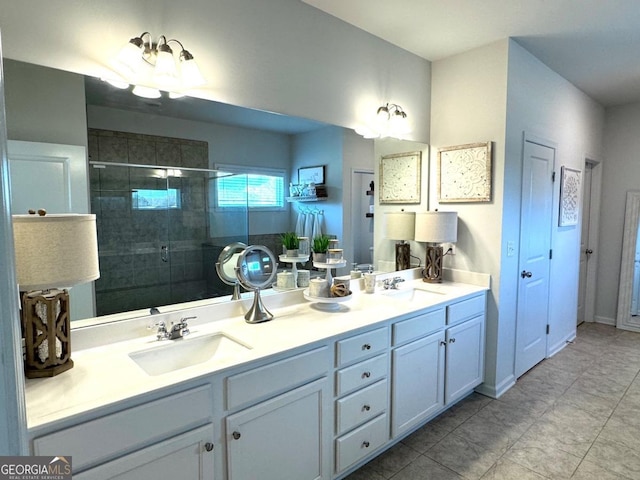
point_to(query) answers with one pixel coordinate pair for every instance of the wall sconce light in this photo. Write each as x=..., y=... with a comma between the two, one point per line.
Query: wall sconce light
x=435, y=228
x=390, y=121
x=144, y=60
x=401, y=226
x=53, y=252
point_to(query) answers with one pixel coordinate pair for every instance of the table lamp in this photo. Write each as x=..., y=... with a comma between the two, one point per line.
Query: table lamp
x=53, y=253
x=435, y=228
x=401, y=226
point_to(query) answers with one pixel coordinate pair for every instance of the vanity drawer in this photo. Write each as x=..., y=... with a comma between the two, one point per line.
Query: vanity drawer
x=361, y=442
x=361, y=406
x=362, y=374
x=362, y=346
x=248, y=387
x=466, y=309
x=111, y=436
x=417, y=327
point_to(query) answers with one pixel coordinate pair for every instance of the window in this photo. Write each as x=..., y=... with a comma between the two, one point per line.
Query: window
x=251, y=187
x=142, y=199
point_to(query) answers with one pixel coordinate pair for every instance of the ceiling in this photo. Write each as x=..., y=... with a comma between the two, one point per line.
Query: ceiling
x=595, y=44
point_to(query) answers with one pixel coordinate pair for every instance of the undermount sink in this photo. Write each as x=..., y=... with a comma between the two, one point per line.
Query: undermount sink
x=411, y=294
x=172, y=355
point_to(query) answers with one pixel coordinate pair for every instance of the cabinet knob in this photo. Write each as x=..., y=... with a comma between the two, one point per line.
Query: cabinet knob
x=526, y=274
x=452, y=340
x=366, y=346
x=365, y=444
x=442, y=342
x=366, y=408
x=366, y=374
x=236, y=435
x=208, y=446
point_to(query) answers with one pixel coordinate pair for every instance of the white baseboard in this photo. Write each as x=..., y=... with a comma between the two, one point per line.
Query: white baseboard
x=496, y=391
x=605, y=320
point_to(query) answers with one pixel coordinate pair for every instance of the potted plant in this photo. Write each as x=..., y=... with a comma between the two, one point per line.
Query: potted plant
x=290, y=243
x=320, y=246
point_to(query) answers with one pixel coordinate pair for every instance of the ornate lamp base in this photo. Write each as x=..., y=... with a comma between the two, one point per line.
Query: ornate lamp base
x=403, y=256
x=432, y=272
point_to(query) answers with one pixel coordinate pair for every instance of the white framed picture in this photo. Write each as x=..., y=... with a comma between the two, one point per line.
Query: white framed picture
x=400, y=178
x=569, y=196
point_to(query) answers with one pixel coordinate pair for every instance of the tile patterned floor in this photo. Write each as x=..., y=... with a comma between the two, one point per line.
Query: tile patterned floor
x=575, y=415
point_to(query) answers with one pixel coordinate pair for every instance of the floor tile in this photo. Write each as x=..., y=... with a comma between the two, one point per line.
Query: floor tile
x=462, y=456
x=620, y=430
x=591, y=471
x=393, y=460
x=587, y=401
x=615, y=457
x=424, y=468
x=491, y=435
x=546, y=461
x=508, y=470
x=426, y=437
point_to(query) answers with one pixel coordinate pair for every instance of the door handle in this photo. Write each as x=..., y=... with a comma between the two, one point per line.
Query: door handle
x=526, y=274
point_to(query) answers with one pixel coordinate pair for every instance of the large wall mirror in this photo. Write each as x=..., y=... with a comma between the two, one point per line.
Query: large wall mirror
x=628, y=316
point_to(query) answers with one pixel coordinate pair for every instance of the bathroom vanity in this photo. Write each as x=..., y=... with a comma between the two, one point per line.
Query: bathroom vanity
x=309, y=395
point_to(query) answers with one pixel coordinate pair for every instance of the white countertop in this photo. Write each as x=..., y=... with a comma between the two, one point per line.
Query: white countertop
x=105, y=374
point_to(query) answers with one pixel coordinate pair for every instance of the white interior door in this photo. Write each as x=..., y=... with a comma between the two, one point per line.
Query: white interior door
x=53, y=177
x=585, y=251
x=535, y=247
x=362, y=226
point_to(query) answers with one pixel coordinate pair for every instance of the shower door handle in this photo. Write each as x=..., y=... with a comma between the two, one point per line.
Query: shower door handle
x=164, y=253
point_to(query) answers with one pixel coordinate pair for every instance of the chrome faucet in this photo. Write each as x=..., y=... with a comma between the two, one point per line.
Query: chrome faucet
x=392, y=283
x=177, y=330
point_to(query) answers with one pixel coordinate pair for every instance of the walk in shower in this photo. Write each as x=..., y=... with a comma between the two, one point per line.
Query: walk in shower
x=160, y=231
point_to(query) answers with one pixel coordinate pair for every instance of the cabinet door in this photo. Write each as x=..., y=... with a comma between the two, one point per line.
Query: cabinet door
x=284, y=438
x=417, y=382
x=465, y=358
x=188, y=456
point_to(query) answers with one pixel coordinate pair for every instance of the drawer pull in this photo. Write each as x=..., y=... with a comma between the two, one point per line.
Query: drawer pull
x=236, y=435
x=208, y=446
x=366, y=374
x=442, y=342
x=452, y=340
x=365, y=444
x=366, y=346
x=366, y=408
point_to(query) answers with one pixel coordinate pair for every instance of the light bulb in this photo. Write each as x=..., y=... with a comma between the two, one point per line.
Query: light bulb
x=146, y=92
x=165, y=72
x=189, y=71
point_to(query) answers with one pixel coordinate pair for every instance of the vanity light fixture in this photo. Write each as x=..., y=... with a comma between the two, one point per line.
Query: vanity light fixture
x=390, y=121
x=53, y=253
x=143, y=60
x=435, y=228
x=401, y=226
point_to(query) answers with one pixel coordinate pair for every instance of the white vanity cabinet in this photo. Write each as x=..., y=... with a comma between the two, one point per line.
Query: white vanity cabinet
x=464, y=339
x=418, y=370
x=283, y=433
x=362, y=396
x=171, y=437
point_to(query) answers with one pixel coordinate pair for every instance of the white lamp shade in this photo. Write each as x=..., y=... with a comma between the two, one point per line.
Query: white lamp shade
x=399, y=225
x=436, y=227
x=55, y=251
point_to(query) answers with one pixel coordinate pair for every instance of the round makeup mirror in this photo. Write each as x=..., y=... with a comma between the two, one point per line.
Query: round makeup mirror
x=256, y=268
x=226, y=266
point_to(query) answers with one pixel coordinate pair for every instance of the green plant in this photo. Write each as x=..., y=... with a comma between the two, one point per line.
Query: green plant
x=290, y=240
x=321, y=243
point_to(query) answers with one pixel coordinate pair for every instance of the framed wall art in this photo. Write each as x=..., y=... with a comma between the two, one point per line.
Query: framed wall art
x=569, y=196
x=400, y=178
x=464, y=173
x=311, y=175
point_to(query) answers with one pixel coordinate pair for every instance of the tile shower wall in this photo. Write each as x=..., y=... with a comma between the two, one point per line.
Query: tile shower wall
x=135, y=272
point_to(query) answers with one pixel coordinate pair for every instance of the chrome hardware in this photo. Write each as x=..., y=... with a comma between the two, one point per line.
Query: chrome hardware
x=452, y=340
x=365, y=444
x=588, y=251
x=366, y=346
x=442, y=342
x=208, y=446
x=236, y=435
x=392, y=283
x=164, y=253
x=366, y=374
x=178, y=330
x=366, y=408
x=526, y=274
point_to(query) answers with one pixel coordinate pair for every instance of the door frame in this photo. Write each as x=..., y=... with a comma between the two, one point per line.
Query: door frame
x=594, y=229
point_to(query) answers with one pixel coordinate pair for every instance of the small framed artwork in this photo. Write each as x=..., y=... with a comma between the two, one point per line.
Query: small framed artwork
x=464, y=173
x=311, y=175
x=569, y=196
x=400, y=178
